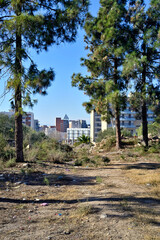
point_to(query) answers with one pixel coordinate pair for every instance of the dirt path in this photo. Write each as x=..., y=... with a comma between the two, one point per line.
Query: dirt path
x=75, y=203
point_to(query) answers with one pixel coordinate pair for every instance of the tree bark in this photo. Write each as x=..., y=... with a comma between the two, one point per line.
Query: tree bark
x=144, y=105
x=118, y=129
x=18, y=94
x=117, y=111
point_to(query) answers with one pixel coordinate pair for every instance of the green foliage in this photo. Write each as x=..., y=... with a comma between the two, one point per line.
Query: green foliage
x=32, y=137
x=83, y=139
x=83, y=161
x=110, y=142
x=11, y=163
x=107, y=40
x=105, y=133
x=99, y=179
x=153, y=129
x=7, y=127
x=155, y=148
x=126, y=133
x=6, y=152
x=141, y=66
x=37, y=25
x=48, y=150
x=46, y=181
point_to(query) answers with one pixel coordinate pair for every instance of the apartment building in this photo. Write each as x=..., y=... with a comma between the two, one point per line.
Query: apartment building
x=62, y=124
x=77, y=124
x=74, y=133
x=127, y=120
x=27, y=118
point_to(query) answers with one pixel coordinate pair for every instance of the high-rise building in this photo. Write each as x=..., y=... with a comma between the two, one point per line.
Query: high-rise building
x=62, y=125
x=77, y=124
x=28, y=119
x=127, y=120
x=36, y=125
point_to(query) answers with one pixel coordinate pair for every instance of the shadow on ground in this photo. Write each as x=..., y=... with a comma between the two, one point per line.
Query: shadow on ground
x=41, y=178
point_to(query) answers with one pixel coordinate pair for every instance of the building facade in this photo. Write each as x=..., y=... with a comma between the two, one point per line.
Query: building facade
x=62, y=124
x=127, y=120
x=77, y=124
x=28, y=119
x=74, y=133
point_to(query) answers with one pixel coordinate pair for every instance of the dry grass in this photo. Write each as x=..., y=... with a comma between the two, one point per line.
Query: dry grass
x=149, y=178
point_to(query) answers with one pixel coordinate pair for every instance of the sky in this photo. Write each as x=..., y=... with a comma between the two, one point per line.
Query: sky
x=62, y=98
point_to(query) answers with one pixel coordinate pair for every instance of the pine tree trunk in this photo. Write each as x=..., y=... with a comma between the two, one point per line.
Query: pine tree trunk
x=117, y=111
x=144, y=106
x=144, y=124
x=118, y=129
x=18, y=95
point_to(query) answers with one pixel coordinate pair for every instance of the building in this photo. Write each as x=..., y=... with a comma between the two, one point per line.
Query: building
x=28, y=119
x=36, y=125
x=77, y=124
x=95, y=125
x=50, y=131
x=9, y=114
x=127, y=120
x=74, y=133
x=62, y=124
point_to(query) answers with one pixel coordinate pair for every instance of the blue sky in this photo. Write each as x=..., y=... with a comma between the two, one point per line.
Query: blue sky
x=62, y=98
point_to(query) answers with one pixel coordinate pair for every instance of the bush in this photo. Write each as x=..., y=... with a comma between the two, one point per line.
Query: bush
x=3, y=144
x=83, y=161
x=49, y=150
x=6, y=152
x=109, y=142
x=153, y=129
x=126, y=133
x=155, y=148
x=106, y=133
x=11, y=163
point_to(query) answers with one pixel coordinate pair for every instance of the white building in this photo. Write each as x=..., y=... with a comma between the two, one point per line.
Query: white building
x=50, y=131
x=74, y=133
x=77, y=124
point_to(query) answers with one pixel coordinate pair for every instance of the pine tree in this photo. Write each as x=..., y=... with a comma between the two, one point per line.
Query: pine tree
x=142, y=64
x=107, y=39
x=33, y=24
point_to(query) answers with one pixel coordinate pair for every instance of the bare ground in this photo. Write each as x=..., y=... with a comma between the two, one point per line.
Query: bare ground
x=77, y=203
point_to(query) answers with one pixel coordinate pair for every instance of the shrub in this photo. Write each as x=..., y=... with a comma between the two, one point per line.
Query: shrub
x=126, y=133
x=105, y=133
x=49, y=150
x=155, y=148
x=153, y=129
x=109, y=142
x=83, y=161
x=11, y=163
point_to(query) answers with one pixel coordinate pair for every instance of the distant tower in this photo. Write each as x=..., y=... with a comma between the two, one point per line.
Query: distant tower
x=66, y=117
x=65, y=123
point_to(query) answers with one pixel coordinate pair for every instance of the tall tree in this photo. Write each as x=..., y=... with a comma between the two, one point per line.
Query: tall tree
x=107, y=39
x=142, y=65
x=33, y=24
